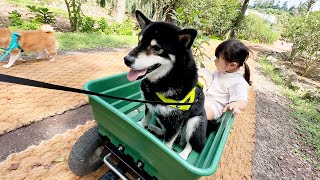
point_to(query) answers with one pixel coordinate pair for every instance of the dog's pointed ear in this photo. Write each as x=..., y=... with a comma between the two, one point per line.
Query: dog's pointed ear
x=187, y=37
x=142, y=19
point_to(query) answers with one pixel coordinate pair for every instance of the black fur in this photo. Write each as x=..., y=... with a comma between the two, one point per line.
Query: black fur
x=180, y=79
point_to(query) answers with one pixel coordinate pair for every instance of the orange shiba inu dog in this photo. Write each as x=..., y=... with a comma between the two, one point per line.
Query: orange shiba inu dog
x=42, y=40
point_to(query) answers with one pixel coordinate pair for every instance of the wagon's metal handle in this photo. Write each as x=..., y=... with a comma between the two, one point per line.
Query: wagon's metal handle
x=112, y=166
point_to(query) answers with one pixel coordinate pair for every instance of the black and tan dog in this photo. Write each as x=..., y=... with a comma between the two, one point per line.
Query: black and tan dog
x=164, y=59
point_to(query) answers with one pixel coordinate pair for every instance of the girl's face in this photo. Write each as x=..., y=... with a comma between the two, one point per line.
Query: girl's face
x=224, y=66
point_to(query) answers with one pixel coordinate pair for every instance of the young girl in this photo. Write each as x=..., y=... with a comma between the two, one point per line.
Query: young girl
x=227, y=88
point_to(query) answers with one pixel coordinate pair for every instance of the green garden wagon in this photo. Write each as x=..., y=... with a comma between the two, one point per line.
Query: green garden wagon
x=129, y=150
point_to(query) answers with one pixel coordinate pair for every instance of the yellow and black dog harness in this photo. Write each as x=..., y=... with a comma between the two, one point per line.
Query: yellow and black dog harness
x=189, y=98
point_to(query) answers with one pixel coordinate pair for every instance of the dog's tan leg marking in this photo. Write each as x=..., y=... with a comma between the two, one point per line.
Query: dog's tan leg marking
x=13, y=58
x=170, y=143
x=186, y=151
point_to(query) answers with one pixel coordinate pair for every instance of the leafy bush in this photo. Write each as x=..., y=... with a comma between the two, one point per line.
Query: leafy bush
x=104, y=27
x=15, y=18
x=86, y=24
x=43, y=15
x=207, y=16
x=199, y=50
x=253, y=28
x=127, y=27
x=303, y=32
x=16, y=22
x=27, y=25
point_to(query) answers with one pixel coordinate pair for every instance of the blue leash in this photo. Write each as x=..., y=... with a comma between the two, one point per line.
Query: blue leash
x=14, y=44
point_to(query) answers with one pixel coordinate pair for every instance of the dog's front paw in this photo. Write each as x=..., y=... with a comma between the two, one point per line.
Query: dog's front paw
x=184, y=155
x=6, y=66
x=155, y=129
x=186, y=151
x=141, y=123
x=52, y=59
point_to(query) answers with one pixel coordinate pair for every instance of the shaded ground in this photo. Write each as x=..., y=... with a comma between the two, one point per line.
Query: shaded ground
x=22, y=138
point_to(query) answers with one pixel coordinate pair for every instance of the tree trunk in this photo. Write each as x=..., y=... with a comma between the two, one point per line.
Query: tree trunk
x=168, y=11
x=120, y=10
x=309, y=6
x=239, y=18
x=293, y=54
x=69, y=14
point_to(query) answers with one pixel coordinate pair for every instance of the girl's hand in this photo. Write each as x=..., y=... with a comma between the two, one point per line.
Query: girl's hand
x=234, y=107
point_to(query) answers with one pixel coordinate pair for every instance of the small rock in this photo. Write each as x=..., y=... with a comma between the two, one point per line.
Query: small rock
x=47, y=166
x=37, y=164
x=272, y=59
x=59, y=159
x=14, y=166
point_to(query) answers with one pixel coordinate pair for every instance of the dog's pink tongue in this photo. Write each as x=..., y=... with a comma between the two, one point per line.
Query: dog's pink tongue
x=134, y=74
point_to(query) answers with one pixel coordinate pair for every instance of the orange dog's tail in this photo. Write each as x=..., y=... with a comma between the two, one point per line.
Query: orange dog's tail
x=46, y=28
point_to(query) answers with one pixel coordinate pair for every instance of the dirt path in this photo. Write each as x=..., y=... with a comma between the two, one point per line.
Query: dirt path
x=35, y=104
x=20, y=139
x=268, y=154
x=278, y=151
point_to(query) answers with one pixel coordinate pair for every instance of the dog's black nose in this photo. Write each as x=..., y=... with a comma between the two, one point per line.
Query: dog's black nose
x=128, y=60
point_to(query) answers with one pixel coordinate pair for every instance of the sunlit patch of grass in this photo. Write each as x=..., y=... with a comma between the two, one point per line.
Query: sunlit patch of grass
x=78, y=41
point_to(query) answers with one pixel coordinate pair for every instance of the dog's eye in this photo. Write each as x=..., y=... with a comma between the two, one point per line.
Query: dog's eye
x=156, y=48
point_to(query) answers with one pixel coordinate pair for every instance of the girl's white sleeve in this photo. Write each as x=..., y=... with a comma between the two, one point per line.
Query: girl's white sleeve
x=238, y=91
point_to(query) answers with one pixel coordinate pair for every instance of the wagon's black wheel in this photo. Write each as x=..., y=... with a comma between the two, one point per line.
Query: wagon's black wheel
x=84, y=156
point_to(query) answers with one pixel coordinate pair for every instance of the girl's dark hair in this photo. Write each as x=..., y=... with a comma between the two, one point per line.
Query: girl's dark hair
x=235, y=51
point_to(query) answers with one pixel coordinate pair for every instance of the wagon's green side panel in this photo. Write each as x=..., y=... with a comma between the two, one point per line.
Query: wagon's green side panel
x=117, y=120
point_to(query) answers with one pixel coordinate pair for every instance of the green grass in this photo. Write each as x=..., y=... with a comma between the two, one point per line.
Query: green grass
x=77, y=41
x=303, y=109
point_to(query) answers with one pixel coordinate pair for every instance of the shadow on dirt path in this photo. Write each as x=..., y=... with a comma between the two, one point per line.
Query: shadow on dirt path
x=22, y=138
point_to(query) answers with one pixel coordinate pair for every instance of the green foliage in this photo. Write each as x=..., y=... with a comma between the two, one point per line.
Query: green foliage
x=16, y=22
x=104, y=27
x=43, y=15
x=303, y=109
x=155, y=10
x=206, y=21
x=199, y=50
x=15, y=18
x=86, y=24
x=207, y=16
x=127, y=27
x=303, y=32
x=73, y=41
x=253, y=28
